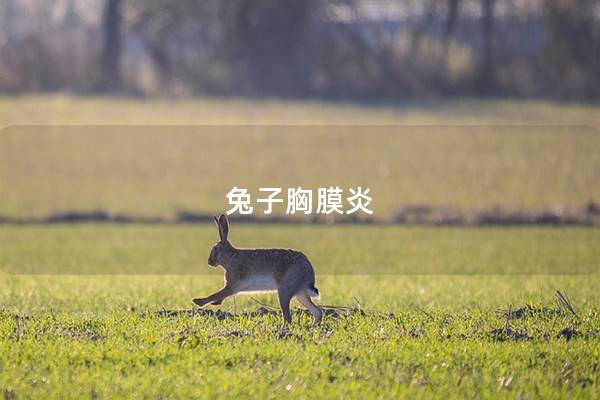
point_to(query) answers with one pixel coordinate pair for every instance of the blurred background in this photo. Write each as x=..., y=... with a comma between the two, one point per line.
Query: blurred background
x=504, y=91
x=342, y=49
x=453, y=112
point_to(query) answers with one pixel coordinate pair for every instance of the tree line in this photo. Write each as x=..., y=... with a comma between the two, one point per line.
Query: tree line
x=371, y=49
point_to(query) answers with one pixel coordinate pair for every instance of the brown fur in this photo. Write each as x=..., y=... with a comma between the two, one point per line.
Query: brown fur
x=246, y=270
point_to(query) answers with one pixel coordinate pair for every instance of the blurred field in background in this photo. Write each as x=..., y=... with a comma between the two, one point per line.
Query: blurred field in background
x=461, y=154
x=166, y=250
x=90, y=110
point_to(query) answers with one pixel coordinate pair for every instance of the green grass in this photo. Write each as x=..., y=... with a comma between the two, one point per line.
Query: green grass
x=362, y=249
x=421, y=335
x=72, y=328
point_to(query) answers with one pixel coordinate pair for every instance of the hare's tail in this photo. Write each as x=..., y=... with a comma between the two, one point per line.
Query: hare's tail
x=313, y=291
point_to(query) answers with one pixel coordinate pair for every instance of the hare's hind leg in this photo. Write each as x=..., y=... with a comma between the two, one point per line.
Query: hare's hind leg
x=284, y=302
x=306, y=301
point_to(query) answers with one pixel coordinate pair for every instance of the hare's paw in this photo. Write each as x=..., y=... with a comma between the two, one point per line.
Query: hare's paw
x=200, y=302
x=217, y=302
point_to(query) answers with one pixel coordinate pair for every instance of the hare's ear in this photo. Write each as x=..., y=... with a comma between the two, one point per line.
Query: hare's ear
x=223, y=227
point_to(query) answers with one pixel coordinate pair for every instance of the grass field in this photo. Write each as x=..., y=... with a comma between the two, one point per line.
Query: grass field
x=104, y=310
x=358, y=249
x=428, y=335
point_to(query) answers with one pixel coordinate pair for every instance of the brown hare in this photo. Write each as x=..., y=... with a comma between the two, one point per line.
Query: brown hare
x=257, y=270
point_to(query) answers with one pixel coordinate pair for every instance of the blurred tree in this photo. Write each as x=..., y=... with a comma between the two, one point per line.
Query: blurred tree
x=111, y=50
x=183, y=40
x=572, y=47
x=387, y=49
x=486, y=78
x=452, y=16
x=267, y=42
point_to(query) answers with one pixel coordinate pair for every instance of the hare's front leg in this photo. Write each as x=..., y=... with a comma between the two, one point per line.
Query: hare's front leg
x=215, y=298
